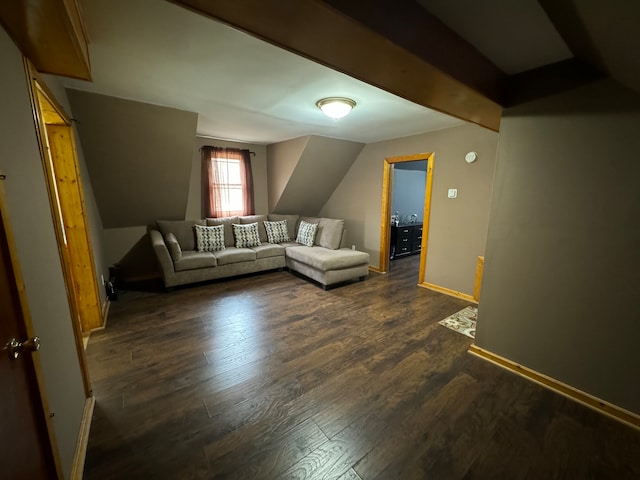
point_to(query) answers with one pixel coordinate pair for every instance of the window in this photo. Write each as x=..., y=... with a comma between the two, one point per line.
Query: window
x=227, y=182
x=228, y=185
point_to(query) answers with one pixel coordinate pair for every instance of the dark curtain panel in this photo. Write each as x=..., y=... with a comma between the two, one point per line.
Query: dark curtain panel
x=214, y=181
x=247, y=182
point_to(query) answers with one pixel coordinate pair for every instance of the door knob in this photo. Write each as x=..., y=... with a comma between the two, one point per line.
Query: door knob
x=15, y=348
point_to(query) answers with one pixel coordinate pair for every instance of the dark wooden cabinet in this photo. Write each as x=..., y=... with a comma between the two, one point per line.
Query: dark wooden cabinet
x=405, y=240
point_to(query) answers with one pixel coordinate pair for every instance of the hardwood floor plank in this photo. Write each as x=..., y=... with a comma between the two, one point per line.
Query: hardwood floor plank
x=263, y=460
x=269, y=376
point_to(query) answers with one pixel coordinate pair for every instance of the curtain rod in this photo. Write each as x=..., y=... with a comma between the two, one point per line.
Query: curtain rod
x=252, y=153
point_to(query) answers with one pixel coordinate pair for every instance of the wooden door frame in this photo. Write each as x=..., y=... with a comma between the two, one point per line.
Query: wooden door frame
x=385, y=220
x=53, y=113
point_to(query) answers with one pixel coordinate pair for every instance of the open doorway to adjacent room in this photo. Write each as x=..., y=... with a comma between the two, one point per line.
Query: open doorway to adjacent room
x=406, y=204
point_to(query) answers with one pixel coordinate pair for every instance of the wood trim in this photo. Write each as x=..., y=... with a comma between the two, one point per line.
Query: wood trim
x=477, y=283
x=376, y=270
x=447, y=291
x=426, y=217
x=39, y=94
x=71, y=200
x=385, y=215
x=77, y=467
x=105, y=311
x=618, y=413
x=51, y=33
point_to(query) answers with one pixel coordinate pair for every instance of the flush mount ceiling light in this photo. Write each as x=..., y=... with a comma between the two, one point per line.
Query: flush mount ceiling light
x=336, y=107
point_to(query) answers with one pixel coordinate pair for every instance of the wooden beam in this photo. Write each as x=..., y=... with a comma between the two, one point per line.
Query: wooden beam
x=50, y=33
x=316, y=30
x=411, y=26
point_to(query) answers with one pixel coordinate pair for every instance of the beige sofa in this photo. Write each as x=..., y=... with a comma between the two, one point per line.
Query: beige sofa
x=327, y=261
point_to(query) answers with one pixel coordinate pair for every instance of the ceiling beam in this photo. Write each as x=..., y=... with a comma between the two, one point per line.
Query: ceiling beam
x=567, y=21
x=412, y=27
x=316, y=30
x=50, y=33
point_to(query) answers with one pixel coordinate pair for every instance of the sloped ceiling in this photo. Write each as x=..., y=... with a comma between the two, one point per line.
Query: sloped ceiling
x=138, y=156
x=313, y=177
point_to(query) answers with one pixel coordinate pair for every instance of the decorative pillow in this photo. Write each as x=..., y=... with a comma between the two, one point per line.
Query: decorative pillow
x=229, y=241
x=210, y=239
x=246, y=219
x=246, y=235
x=174, y=247
x=182, y=229
x=277, y=231
x=306, y=233
x=292, y=222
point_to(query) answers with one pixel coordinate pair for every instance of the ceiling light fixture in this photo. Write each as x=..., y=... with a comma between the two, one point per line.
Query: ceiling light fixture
x=336, y=107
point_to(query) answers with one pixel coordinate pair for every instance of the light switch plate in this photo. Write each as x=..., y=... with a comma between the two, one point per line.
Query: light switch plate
x=452, y=193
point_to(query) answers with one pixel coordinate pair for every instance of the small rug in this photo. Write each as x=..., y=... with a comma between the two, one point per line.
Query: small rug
x=463, y=321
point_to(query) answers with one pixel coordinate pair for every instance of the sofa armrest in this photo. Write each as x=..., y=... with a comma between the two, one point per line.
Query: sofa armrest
x=163, y=256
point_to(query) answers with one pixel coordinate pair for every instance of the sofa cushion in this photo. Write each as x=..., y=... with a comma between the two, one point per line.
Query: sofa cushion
x=246, y=235
x=174, y=247
x=210, y=238
x=182, y=229
x=292, y=222
x=234, y=255
x=192, y=260
x=306, y=233
x=277, y=232
x=259, y=219
x=266, y=250
x=324, y=259
x=329, y=233
x=229, y=240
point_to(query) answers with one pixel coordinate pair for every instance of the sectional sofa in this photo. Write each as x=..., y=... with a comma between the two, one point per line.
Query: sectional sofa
x=190, y=251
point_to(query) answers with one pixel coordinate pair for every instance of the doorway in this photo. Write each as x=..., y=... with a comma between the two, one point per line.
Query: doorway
x=387, y=196
x=60, y=165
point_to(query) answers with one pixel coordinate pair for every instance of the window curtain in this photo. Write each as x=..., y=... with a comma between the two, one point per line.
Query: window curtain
x=212, y=193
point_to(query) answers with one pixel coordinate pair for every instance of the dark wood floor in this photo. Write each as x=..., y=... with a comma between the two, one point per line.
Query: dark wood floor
x=271, y=377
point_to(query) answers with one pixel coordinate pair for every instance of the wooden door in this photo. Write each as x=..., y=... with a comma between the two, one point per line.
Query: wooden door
x=26, y=450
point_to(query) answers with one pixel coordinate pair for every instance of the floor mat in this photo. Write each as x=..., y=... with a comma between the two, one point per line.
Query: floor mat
x=463, y=321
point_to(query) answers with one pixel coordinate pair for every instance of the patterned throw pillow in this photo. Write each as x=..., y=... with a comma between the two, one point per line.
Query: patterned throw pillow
x=210, y=239
x=246, y=235
x=307, y=233
x=277, y=231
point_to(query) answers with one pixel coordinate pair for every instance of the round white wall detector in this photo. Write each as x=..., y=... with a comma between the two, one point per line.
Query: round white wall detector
x=471, y=157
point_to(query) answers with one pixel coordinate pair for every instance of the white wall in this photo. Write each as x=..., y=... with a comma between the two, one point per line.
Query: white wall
x=33, y=230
